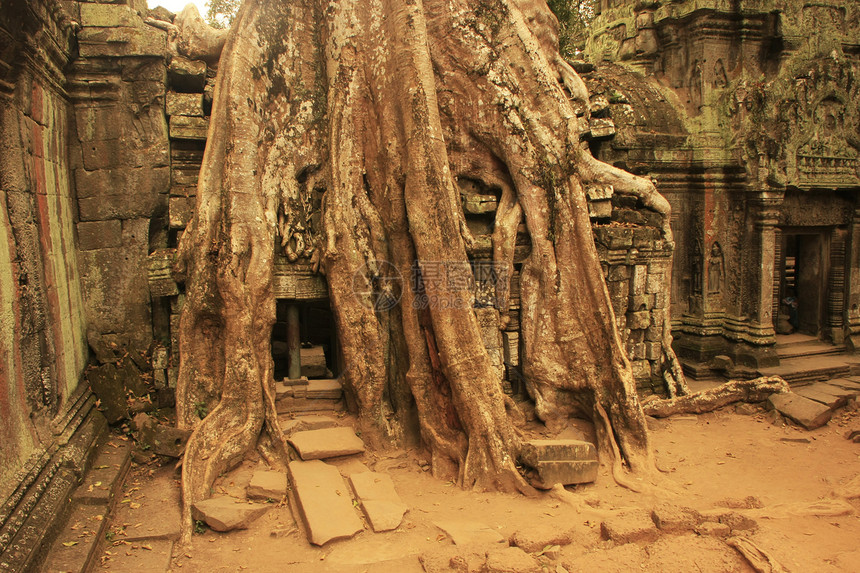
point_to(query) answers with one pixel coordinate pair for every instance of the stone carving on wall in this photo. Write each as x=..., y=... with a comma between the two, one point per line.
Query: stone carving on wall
x=715, y=269
x=802, y=127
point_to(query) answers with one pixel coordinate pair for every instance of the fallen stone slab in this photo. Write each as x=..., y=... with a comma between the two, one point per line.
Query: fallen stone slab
x=267, y=485
x=159, y=438
x=820, y=392
x=806, y=412
x=382, y=506
x=323, y=501
x=550, y=473
x=226, y=514
x=470, y=532
x=326, y=443
x=629, y=527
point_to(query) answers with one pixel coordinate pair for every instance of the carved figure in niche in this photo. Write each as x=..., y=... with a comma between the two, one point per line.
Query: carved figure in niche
x=697, y=264
x=696, y=84
x=720, y=78
x=715, y=269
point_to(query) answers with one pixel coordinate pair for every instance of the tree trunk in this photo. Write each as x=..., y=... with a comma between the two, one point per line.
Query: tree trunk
x=377, y=109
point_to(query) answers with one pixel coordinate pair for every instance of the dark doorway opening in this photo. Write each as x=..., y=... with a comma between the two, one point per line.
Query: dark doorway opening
x=318, y=354
x=803, y=282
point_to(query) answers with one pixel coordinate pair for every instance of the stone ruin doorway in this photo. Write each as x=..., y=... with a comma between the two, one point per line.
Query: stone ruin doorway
x=304, y=340
x=802, y=270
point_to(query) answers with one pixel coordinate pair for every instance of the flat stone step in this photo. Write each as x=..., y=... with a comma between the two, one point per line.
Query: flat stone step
x=808, y=369
x=808, y=413
x=323, y=502
x=291, y=424
x=808, y=349
x=382, y=506
x=313, y=362
x=535, y=451
x=326, y=443
x=289, y=405
x=325, y=388
x=850, y=384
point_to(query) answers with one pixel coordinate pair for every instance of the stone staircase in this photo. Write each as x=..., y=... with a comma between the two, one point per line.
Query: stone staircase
x=302, y=395
x=798, y=345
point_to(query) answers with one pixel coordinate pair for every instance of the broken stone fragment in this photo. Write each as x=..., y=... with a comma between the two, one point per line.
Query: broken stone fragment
x=470, y=532
x=672, y=519
x=379, y=500
x=267, y=485
x=559, y=462
x=510, y=560
x=159, y=438
x=629, y=527
x=226, y=514
x=535, y=538
x=806, y=412
x=326, y=443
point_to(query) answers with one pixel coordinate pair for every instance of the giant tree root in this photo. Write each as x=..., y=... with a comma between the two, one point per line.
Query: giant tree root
x=757, y=557
x=756, y=390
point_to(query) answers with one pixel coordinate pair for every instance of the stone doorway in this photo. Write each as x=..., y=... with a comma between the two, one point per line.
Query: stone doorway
x=802, y=269
x=304, y=340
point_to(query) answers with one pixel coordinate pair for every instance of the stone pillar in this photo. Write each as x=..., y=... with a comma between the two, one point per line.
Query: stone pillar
x=760, y=331
x=852, y=267
x=294, y=346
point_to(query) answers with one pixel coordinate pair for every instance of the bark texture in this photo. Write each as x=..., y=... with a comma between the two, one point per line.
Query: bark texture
x=756, y=390
x=374, y=109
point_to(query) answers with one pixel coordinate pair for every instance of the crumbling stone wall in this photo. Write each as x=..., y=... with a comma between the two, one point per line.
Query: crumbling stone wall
x=121, y=166
x=42, y=324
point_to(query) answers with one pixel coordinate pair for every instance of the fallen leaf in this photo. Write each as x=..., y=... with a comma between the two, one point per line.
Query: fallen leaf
x=69, y=543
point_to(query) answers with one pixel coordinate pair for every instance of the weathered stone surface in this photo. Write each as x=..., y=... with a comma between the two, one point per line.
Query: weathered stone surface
x=180, y=211
x=326, y=443
x=324, y=503
x=831, y=396
x=325, y=389
x=382, y=506
x=629, y=527
x=161, y=439
x=111, y=384
x=266, y=485
x=306, y=422
x=601, y=127
x=805, y=412
x=227, y=514
x=188, y=127
x=122, y=41
x=160, y=278
x=534, y=451
x=99, y=234
x=559, y=461
x=108, y=15
x=187, y=75
x=470, y=532
x=184, y=104
x=313, y=362
x=673, y=519
x=510, y=560
x=535, y=538
x=713, y=529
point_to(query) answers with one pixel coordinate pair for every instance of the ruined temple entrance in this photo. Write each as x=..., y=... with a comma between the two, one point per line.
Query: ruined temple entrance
x=304, y=340
x=802, y=269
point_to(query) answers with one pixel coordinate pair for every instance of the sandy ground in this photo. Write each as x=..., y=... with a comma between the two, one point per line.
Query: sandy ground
x=777, y=486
